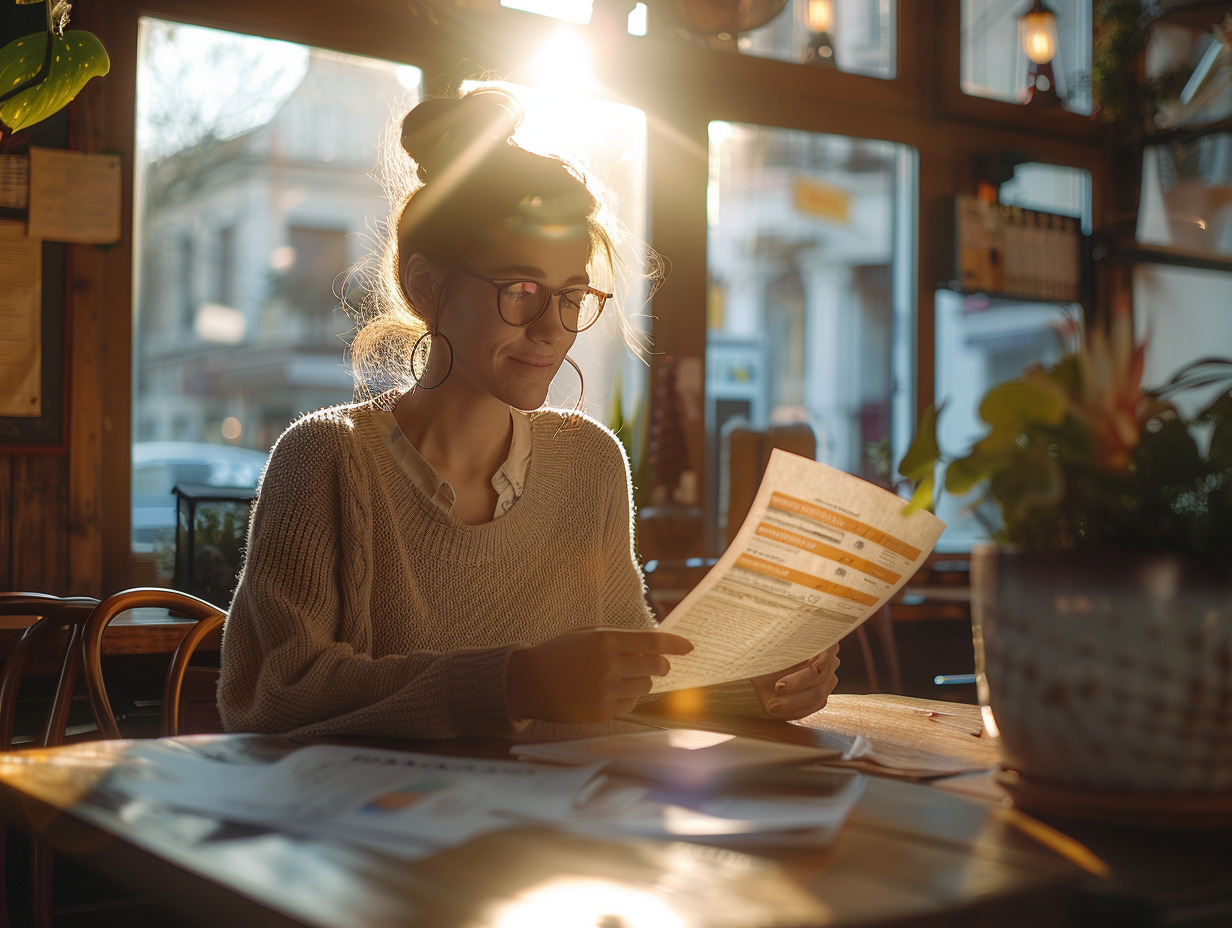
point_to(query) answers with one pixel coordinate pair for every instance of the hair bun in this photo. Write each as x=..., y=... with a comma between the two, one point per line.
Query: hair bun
x=438, y=130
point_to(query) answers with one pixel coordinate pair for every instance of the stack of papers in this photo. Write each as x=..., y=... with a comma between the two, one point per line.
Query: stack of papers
x=414, y=804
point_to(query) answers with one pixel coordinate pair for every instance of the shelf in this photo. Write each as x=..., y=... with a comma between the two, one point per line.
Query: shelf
x=1182, y=134
x=996, y=296
x=1134, y=253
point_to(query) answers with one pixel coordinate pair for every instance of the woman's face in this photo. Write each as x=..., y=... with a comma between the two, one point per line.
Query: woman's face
x=513, y=364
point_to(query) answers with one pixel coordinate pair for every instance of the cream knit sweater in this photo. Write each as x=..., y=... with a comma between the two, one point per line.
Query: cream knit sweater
x=363, y=609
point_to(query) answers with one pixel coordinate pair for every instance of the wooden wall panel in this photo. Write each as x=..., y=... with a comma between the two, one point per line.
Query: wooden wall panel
x=6, y=523
x=39, y=538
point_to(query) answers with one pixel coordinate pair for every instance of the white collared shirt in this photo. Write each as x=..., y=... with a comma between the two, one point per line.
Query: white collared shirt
x=508, y=481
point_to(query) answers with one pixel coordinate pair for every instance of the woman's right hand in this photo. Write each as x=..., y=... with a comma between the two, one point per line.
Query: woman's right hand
x=588, y=674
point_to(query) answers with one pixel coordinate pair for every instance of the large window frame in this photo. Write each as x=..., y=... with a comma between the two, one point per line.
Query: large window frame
x=680, y=85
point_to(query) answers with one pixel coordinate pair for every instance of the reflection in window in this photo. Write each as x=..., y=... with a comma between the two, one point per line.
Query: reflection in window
x=990, y=30
x=1183, y=313
x=248, y=150
x=856, y=36
x=811, y=317
x=1186, y=197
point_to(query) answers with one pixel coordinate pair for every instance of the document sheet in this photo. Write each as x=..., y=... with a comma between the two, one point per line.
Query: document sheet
x=819, y=552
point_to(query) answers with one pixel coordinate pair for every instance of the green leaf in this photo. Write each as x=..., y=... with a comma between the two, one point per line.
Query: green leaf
x=1034, y=399
x=924, y=452
x=919, y=464
x=1169, y=457
x=76, y=57
x=1037, y=483
x=922, y=497
x=962, y=475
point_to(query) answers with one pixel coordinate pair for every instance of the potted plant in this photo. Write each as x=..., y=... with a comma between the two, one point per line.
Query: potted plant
x=1103, y=610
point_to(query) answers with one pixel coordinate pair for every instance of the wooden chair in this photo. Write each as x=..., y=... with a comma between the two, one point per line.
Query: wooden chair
x=53, y=639
x=748, y=453
x=60, y=618
x=209, y=618
x=880, y=627
x=73, y=628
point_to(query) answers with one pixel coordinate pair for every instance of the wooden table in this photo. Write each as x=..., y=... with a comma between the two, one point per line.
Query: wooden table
x=912, y=854
x=139, y=631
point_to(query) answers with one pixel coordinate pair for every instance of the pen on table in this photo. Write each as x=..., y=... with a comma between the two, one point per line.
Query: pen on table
x=942, y=718
x=953, y=679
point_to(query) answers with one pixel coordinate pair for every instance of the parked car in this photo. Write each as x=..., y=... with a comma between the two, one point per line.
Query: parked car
x=159, y=466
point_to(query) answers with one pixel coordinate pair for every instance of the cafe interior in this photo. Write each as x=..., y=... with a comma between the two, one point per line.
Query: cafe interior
x=867, y=210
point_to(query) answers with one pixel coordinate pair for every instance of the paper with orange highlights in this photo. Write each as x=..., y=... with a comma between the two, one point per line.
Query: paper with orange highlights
x=819, y=552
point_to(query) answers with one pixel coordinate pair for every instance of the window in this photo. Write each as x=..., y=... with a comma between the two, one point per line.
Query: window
x=314, y=259
x=186, y=271
x=856, y=36
x=1183, y=314
x=245, y=146
x=223, y=279
x=810, y=257
x=994, y=65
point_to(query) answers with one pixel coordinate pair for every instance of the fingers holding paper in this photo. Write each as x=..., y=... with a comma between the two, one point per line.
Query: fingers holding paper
x=800, y=690
x=589, y=674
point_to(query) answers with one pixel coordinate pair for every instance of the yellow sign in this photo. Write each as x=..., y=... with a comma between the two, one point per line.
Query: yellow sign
x=823, y=200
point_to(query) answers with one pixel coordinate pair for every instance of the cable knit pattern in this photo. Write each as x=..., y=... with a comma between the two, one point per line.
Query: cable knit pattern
x=363, y=609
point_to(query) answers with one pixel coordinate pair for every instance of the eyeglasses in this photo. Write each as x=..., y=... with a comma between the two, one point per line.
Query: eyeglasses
x=522, y=302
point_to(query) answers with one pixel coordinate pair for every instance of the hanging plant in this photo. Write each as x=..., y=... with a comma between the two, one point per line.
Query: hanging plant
x=41, y=73
x=1114, y=45
x=1123, y=94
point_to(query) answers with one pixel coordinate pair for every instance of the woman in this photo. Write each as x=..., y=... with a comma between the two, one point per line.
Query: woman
x=448, y=558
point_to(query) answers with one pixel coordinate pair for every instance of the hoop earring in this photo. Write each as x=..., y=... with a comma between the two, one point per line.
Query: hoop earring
x=573, y=419
x=420, y=350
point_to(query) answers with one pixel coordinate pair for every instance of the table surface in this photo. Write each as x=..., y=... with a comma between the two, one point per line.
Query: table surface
x=914, y=852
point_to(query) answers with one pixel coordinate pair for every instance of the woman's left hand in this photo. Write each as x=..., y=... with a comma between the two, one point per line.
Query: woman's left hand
x=800, y=690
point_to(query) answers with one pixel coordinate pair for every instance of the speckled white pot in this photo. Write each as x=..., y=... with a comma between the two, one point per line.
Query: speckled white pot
x=1109, y=670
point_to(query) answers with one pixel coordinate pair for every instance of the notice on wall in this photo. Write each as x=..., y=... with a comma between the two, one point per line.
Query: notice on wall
x=74, y=196
x=21, y=333
x=819, y=552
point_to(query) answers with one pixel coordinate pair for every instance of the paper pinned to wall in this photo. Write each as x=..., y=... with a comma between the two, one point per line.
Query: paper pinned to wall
x=74, y=196
x=21, y=333
x=819, y=552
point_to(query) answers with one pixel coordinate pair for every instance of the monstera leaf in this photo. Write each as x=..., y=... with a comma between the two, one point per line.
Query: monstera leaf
x=76, y=56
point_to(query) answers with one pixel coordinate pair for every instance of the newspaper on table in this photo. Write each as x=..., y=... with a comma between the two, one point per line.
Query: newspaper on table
x=819, y=552
x=413, y=804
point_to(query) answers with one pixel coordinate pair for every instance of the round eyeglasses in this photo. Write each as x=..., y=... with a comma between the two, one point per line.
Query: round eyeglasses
x=522, y=302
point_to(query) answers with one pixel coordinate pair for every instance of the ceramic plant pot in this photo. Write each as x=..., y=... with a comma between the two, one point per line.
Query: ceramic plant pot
x=1107, y=670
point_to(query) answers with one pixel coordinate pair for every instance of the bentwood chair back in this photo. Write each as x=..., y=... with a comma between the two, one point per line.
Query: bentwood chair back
x=51, y=642
x=208, y=619
x=57, y=631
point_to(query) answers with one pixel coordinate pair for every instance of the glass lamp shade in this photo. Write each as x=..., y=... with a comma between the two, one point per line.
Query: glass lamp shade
x=820, y=15
x=1037, y=33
